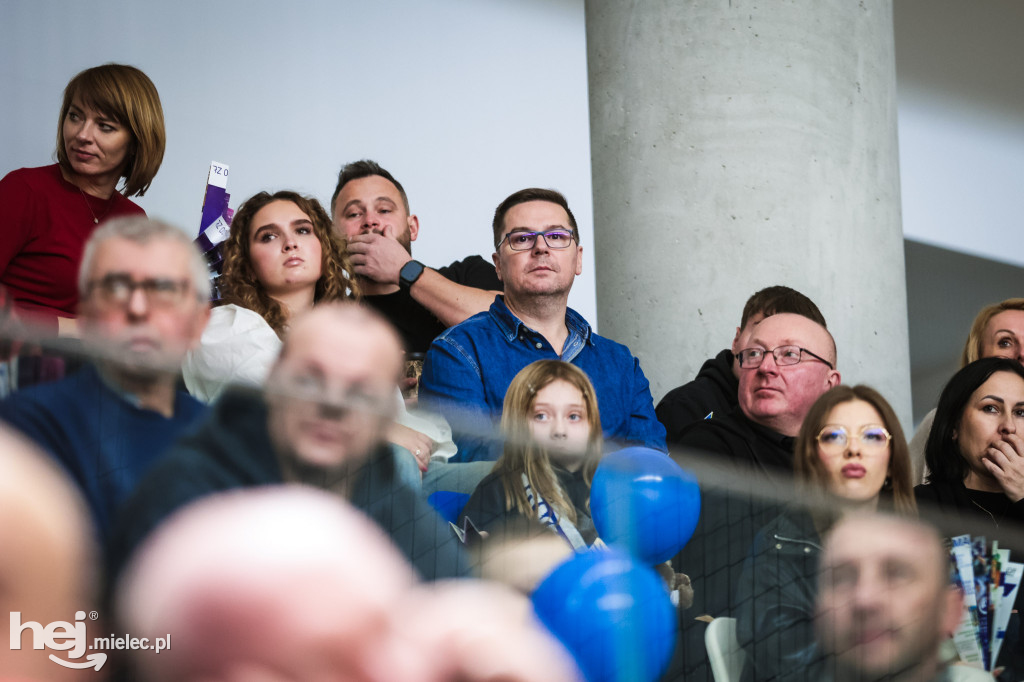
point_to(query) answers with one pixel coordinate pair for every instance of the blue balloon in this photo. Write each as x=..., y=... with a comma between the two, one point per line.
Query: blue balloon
x=612, y=613
x=644, y=503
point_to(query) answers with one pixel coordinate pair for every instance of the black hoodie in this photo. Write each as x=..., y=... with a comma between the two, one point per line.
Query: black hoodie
x=232, y=449
x=713, y=391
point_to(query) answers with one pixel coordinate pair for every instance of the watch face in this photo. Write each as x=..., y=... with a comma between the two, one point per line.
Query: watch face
x=410, y=272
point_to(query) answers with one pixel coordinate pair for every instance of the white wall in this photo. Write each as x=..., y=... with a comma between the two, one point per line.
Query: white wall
x=961, y=166
x=961, y=125
x=465, y=102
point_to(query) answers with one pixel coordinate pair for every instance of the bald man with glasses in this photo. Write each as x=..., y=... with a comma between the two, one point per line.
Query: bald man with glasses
x=786, y=362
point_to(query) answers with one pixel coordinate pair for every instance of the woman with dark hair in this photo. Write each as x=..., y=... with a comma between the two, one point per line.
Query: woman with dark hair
x=975, y=458
x=975, y=451
x=281, y=258
x=111, y=127
x=997, y=332
x=851, y=456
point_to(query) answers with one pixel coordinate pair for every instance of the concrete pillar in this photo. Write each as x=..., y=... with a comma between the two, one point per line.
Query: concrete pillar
x=739, y=144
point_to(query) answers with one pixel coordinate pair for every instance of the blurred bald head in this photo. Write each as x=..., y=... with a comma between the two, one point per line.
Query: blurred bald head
x=47, y=553
x=346, y=329
x=476, y=631
x=330, y=395
x=273, y=583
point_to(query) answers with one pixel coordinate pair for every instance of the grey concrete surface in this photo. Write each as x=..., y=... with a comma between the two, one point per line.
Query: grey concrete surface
x=737, y=145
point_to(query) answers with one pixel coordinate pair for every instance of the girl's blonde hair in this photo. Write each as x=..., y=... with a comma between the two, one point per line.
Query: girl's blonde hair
x=524, y=456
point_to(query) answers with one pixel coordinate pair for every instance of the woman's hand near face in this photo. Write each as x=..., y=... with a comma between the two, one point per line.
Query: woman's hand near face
x=1005, y=462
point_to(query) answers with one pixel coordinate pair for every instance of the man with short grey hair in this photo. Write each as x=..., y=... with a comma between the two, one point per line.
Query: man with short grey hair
x=143, y=291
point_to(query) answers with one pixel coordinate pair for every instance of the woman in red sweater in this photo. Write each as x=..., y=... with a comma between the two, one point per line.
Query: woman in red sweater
x=111, y=127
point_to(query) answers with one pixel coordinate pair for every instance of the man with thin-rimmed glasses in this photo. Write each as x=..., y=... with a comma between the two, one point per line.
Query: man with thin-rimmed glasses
x=714, y=390
x=143, y=303
x=786, y=362
x=470, y=366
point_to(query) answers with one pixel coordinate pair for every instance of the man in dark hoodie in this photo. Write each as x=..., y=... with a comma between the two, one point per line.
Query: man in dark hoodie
x=320, y=422
x=787, y=362
x=713, y=391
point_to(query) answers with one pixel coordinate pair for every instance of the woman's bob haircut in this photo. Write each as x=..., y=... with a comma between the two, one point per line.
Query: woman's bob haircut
x=126, y=95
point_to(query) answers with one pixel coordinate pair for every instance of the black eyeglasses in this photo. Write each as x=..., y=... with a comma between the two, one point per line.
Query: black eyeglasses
x=524, y=241
x=751, y=358
x=117, y=290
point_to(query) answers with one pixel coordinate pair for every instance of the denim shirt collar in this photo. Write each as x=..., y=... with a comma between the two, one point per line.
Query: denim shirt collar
x=580, y=333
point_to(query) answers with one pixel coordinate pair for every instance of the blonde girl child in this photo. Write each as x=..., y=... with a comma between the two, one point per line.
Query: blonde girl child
x=553, y=441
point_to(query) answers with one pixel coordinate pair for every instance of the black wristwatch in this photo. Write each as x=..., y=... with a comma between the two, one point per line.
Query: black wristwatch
x=409, y=273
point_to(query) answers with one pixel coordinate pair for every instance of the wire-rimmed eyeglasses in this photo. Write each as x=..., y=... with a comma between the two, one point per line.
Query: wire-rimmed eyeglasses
x=835, y=439
x=751, y=358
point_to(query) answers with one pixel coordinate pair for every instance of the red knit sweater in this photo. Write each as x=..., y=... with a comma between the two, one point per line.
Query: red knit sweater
x=44, y=224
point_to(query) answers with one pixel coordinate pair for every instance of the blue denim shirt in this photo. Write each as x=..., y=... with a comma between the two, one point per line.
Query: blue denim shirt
x=469, y=368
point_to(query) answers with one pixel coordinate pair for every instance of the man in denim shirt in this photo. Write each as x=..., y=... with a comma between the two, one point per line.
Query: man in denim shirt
x=470, y=366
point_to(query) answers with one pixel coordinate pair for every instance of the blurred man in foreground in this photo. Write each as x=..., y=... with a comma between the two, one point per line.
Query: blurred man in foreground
x=885, y=601
x=321, y=421
x=143, y=303
x=294, y=584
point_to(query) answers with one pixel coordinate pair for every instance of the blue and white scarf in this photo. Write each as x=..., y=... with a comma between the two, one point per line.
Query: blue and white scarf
x=547, y=517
